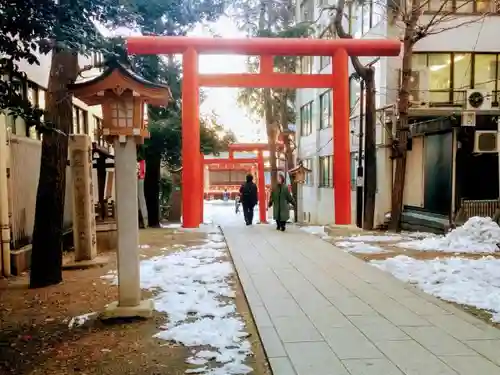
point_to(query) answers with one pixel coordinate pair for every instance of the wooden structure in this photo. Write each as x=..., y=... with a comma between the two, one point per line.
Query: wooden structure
x=299, y=173
x=266, y=48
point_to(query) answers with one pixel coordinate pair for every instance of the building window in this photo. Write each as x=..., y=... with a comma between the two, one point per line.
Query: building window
x=326, y=171
x=451, y=74
x=325, y=105
x=325, y=61
x=463, y=6
x=308, y=163
x=307, y=10
x=306, y=119
x=354, y=169
x=80, y=121
x=306, y=64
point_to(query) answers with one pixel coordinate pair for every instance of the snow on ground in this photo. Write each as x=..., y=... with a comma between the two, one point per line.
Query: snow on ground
x=474, y=282
x=477, y=235
x=372, y=238
x=316, y=230
x=360, y=247
x=193, y=288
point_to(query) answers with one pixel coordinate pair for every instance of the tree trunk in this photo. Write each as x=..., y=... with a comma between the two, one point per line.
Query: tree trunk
x=400, y=144
x=290, y=163
x=370, y=170
x=46, y=253
x=152, y=189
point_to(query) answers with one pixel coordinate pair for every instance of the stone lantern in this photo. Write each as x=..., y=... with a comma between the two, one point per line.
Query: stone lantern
x=123, y=95
x=299, y=173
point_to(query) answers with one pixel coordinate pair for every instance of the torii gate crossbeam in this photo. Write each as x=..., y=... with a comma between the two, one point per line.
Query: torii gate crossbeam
x=266, y=48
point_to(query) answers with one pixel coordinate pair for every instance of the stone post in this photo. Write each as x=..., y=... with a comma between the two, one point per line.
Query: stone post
x=84, y=228
x=129, y=290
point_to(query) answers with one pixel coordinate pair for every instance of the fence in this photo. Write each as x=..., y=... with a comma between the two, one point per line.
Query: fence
x=23, y=183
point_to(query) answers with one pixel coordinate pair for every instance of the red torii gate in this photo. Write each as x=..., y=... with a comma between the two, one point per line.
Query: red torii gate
x=266, y=48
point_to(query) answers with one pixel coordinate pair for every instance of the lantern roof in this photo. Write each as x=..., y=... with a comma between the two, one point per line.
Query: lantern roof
x=299, y=168
x=117, y=78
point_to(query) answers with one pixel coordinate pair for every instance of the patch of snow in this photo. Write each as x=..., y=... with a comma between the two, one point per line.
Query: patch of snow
x=360, y=247
x=193, y=288
x=474, y=282
x=372, y=238
x=316, y=230
x=80, y=320
x=144, y=246
x=171, y=226
x=477, y=235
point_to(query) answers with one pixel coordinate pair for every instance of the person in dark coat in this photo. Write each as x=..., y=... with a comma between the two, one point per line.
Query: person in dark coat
x=248, y=198
x=280, y=200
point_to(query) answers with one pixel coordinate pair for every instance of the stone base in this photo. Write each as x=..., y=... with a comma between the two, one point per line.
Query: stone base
x=114, y=311
x=98, y=261
x=20, y=260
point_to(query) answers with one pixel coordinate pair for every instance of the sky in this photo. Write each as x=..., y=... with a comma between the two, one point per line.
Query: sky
x=223, y=101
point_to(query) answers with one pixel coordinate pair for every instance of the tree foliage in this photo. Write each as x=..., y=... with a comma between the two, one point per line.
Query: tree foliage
x=67, y=28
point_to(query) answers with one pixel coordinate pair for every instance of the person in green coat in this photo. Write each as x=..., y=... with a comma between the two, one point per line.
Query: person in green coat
x=280, y=200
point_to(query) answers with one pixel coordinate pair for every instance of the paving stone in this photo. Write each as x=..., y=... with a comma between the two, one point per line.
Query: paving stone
x=488, y=348
x=282, y=307
x=281, y=366
x=319, y=360
x=271, y=342
x=350, y=343
x=413, y=359
x=471, y=365
x=437, y=341
x=377, y=328
x=261, y=317
x=377, y=366
x=399, y=315
x=296, y=329
x=327, y=317
x=459, y=328
x=351, y=306
x=421, y=307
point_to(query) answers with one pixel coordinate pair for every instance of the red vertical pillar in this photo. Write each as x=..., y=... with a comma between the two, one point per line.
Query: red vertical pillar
x=202, y=186
x=190, y=140
x=262, y=188
x=341, y=138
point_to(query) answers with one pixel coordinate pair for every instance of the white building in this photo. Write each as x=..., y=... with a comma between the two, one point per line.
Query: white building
x=444, y=163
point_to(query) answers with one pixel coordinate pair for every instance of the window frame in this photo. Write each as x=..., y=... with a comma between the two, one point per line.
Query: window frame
x=326, y=180
x=309, y=177
x=454, y=95
x=326, y=93
x=455, y=9
x=304, y=132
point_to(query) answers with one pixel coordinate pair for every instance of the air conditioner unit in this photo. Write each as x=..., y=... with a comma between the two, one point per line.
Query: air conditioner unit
x=418, y=88
x=485, y=141
x=468, y=118
x=478, y=100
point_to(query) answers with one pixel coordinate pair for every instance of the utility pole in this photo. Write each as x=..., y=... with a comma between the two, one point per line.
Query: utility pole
x=359, y=175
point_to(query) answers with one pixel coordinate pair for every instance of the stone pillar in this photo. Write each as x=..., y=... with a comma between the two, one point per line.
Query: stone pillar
x=129, y=291
x=141, y=199
x=84, y=228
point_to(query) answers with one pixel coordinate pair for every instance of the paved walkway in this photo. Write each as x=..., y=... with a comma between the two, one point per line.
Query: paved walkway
x=321, y=311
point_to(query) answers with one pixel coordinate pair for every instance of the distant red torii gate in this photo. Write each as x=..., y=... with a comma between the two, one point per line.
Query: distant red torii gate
x=266, y=48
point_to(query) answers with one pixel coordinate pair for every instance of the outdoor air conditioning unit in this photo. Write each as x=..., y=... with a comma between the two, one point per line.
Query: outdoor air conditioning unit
x=478, y=100
x=418, y=88
x=485, y=141
x=468, y=118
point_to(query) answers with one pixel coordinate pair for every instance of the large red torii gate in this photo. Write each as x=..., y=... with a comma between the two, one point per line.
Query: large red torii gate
x=266, y=48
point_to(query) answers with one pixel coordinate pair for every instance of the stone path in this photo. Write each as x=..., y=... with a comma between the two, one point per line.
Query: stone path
x=321, y=311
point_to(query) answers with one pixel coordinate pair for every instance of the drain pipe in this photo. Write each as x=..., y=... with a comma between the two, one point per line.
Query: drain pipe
x=5, y=266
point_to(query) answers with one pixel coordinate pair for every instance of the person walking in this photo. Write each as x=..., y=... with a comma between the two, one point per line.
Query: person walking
x=280, y=200
x=248, y=198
